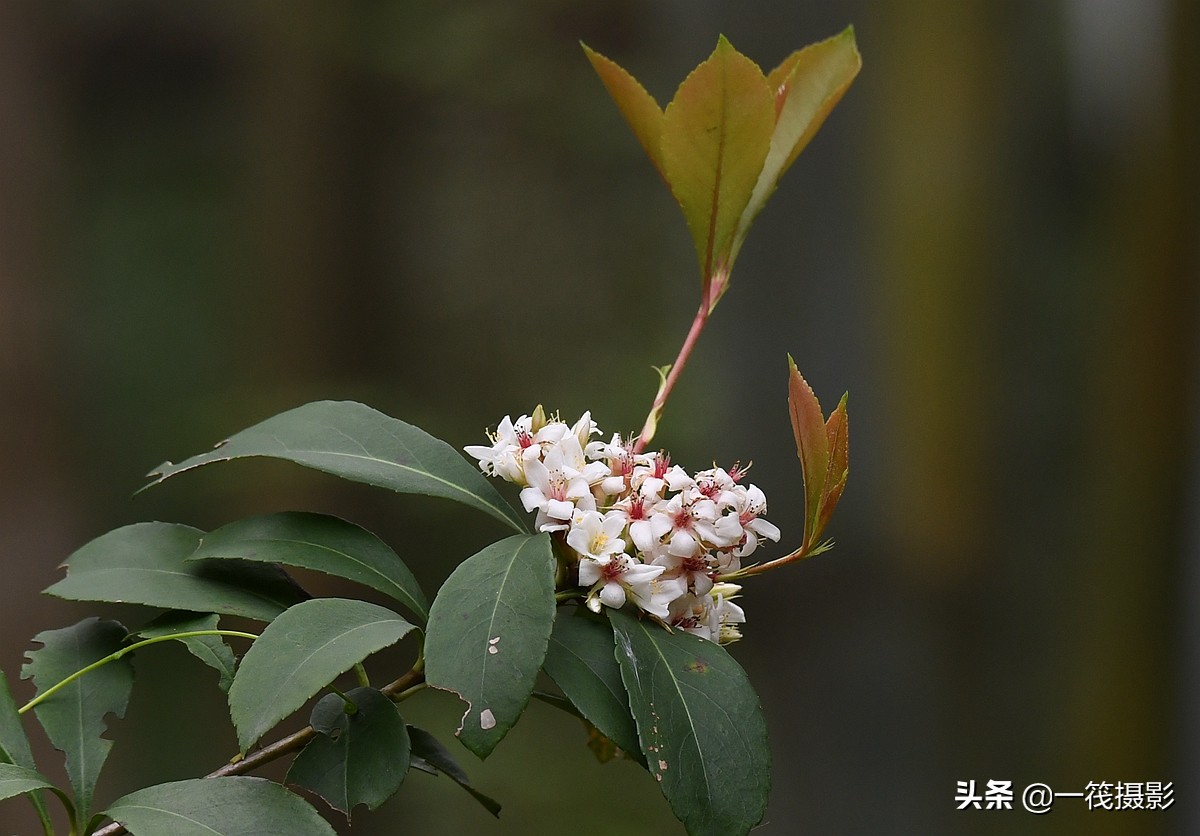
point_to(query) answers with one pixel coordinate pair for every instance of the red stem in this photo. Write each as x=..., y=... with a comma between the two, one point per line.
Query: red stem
x=664, y=391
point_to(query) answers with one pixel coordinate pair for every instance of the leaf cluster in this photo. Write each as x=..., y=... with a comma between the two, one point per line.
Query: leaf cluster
x=729, y=134
x=676, y=704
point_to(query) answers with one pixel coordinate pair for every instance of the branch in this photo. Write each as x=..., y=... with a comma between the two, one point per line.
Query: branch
x=676, y=368
x=291, y=743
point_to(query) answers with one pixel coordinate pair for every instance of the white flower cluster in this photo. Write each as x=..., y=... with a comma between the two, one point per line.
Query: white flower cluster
x=639, y=528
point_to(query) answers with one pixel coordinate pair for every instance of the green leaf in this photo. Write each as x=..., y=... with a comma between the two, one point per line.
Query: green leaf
x=812, y=447
x=18, y=780
x=715, y=136
x=322, y=543
x=429, y=755
x=580, y=660
x=358, y=758
x=74, y=716
x=358, y=443
x=700, y=725
x=638, y=107
x=806, y=87
x=211, y=650
x=14, y=744
x=229, y=806
x=15, y=780
x=488, y=631
x=147, y=563
x=301, y=652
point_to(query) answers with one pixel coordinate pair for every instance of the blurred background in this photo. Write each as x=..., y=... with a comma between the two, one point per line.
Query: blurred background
x=211, y=212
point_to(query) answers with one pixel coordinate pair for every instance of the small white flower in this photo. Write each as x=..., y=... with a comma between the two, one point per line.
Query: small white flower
x=649, y=474
x=749, y=504
x=696, y=527
x=621, y=578
x=584, y=429
x=728, y=614
x=555, y=490
x=503, y=457
x=646, y=527
x=596, y=536
x=716, y=485
x=713, y=616
x=694, y=571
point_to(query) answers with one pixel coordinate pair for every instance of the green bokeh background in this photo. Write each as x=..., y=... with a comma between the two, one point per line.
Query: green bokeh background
x=211, y=212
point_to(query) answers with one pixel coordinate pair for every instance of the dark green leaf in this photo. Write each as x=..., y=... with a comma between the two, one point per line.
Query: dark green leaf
x=358, y=443
x=301, y=652
x=14, y=745
x=700, y=725
x=230, y=806
x=358, y=758
x=74, y=716
x=580, y=660
x=147, y=563
x=429, y=755
x=488, y=631
x=211, y=650
x=325, y=544
x=16, y=780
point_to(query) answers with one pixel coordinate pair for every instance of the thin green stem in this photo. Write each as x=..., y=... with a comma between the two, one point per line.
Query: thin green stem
x=112, y=657
x=400, y=688
x=568, y=594
x=408, y=692
x=364, y=681
x=351, y=706
x=39, y=804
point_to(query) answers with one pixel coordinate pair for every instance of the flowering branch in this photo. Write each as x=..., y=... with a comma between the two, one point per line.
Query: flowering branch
x=640, y=542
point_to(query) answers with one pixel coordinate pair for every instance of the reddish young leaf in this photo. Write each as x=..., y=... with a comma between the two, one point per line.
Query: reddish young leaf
x=637, y=106
x=715, y=136
x=837, y=431
x=812, y=446
x=818, y=77
x=805, y=88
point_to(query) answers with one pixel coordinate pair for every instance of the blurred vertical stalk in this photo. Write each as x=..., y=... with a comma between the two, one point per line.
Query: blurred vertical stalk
x=39, y=513
x=937, y=209
x=291, y=121
x=939, y=220
x=1121, y=620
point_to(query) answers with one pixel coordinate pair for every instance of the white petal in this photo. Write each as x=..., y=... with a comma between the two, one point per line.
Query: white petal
x=590, y=571
x=764, y=528
x=612, y=595
x=559, y=509
x=612, y=485
x=532, y=499
x=683, y=544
